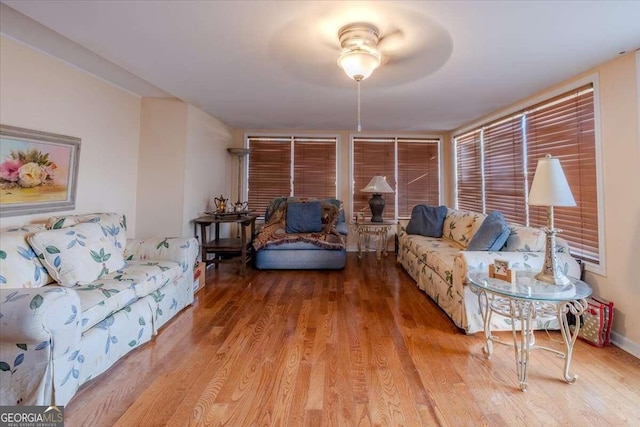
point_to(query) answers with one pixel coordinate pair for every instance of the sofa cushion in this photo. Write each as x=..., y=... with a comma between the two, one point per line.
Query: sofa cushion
x=113, y=224
x=103, y=298
x=525, y=239
x=304, y=217
x=76, y=255
x=19, y=265
x=423, y=247
x=427, y=220
x=492, y=234
x=459, y=226
x=146, y=277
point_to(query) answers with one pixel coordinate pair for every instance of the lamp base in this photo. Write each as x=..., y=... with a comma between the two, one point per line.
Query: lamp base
x=376, y=203
x=550, y=273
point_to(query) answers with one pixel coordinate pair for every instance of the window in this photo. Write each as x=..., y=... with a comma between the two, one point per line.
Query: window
x=410, y=165
x=504, y=179
x=495, y=166
x=469, y=172
x=282, y=166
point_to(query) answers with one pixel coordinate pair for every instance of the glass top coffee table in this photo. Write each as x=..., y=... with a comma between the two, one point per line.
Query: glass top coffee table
x=524, y=301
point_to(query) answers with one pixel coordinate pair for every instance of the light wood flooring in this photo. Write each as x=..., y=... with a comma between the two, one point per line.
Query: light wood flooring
x=361, y=346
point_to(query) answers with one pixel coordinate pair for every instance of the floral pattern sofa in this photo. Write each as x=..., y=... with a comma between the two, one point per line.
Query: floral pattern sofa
x=55, y=338
x=440, y=265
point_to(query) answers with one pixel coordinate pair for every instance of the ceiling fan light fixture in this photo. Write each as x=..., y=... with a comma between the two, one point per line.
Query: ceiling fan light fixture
x=360, y=55
x=359, y=64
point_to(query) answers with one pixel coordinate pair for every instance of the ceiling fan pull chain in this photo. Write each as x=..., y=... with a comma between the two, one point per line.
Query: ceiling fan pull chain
x=359, y=125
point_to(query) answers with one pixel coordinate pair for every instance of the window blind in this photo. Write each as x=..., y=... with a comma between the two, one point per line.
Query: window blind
x=564, y=128
x=282, y=166
x=373, y=156
x=504, y=179
x=418, y=174
x=469, y=172
x=269, y=170
x=314, y=170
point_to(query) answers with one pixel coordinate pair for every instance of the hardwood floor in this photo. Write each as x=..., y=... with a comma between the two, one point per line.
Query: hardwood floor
x=362, y=346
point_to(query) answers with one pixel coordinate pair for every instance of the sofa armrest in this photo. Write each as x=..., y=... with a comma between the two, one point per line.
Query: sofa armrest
x=471, y=261
x=35, y=319
x=342, y=228
x=183, y=250
x=402, y=227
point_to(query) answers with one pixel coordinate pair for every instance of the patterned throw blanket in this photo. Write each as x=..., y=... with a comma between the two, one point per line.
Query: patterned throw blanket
x=273, y=232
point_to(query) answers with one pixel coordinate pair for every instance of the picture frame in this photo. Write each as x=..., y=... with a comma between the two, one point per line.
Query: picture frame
x=38, y=171
x=501, y=269
x=360, y=217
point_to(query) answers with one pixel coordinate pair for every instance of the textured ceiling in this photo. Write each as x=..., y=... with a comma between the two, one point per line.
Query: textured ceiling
x=272, y=65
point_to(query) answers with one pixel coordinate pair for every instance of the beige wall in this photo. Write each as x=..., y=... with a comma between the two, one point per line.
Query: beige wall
x=620, y=143
x=41, y=93
x=161, y=182
x=183, y=165
x=209, y=167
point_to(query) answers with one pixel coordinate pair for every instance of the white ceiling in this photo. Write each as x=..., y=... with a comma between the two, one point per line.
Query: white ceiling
x=272, y=64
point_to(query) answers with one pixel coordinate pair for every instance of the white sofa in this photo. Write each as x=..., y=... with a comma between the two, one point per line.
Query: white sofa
x=440, y=265
x=54, y=338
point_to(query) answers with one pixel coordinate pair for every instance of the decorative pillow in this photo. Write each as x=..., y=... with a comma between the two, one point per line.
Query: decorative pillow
x=427, y=220
x=526, y=239
x=77, y=255
x=113, y=224
x=459, y=225
x=304, y=217
x=492, y=234
x=19, y=265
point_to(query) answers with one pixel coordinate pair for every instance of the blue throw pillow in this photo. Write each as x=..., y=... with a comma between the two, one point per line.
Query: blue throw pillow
x=492, y=234
x=427, y=220
x=304, y=217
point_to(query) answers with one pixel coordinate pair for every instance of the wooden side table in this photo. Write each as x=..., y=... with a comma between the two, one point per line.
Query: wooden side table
x=380, y=230
x=226, y=250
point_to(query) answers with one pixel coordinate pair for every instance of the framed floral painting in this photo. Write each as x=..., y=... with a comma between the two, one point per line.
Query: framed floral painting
x=38, y=171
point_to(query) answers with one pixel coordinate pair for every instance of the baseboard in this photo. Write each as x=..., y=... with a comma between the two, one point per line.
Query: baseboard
x=625, y=344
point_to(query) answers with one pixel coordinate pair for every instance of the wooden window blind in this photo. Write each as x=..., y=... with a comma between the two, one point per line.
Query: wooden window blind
x=564, y=128
x=504, y=179
x=372, y=156
x=418, y=174
x=282, y=166
x=314, y=170
x=469, y=172
x=269, y=170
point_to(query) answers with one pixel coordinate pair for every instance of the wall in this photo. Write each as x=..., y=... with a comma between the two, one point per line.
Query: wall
x=42, y=93
x=183, y=165
x=620, y=143
x=163, y=130
x=209, y=167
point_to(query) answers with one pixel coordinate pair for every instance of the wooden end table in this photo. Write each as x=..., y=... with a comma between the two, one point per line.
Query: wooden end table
x=225, y=250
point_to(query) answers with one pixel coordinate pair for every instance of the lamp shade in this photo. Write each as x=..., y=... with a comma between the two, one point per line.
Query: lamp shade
x=359, y=63
x=377, y=185
x=550, y=186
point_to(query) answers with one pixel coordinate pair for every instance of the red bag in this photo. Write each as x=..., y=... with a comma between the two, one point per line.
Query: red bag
x=595, y=322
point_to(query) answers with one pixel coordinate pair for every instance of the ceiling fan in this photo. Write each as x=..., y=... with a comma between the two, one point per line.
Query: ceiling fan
x=361, y=53
x=363, y=50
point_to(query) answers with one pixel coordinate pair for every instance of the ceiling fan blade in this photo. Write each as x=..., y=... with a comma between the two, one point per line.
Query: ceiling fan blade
x=392, y=41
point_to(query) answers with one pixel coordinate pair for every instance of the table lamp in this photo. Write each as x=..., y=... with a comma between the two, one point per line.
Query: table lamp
x=550, y=188
x=378, y=185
